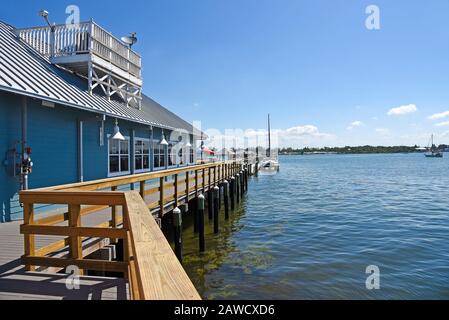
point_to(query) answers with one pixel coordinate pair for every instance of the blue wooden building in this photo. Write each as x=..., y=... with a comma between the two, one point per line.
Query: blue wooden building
x=72, y=109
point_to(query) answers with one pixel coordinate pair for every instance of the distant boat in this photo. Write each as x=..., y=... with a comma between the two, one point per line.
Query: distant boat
x=432, y=150
x=269, y=165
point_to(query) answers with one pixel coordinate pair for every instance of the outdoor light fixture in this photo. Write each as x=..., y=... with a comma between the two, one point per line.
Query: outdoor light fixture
x=163, y=141
x=44, y=14
x=188, y=145
x=117, y=135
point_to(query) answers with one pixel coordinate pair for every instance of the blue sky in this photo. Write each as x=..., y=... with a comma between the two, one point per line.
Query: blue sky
x=325, y=78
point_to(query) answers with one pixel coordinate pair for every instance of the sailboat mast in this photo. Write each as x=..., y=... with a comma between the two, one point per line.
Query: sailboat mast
x=269, y=136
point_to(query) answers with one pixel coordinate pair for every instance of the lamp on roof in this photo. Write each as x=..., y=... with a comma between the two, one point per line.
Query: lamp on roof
x=117, y=135
x=44, y=14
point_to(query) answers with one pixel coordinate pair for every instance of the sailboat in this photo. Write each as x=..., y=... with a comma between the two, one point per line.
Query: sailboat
x=432, y=151
x=269, y=164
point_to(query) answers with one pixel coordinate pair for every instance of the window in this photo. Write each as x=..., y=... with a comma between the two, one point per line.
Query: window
x=118, y=157
x=159, y=155
x=141, y=154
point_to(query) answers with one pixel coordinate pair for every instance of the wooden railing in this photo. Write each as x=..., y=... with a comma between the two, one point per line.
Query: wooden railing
x=148, y=261
x=83, y=38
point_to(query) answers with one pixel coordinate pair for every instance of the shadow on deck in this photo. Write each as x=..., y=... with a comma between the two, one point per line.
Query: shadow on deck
x=17, y=284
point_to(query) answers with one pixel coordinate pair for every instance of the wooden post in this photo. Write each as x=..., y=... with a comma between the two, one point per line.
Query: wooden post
x=193, y=209
x=187, y=186
x=220, y=186
x=177, y=228
x=142, y=190
x=204, y=180
x=126, y=242
x=161, y=197
x=226, y=199
x=114, y=218
x=196, y=184
x=202, y=244
x=29, y=240
x=209, y=179
x=237, y=188
x=210, y=203
x=242, y=184
x=232, y=193
x=176, y=193
x=215, y=192
x=76, y=244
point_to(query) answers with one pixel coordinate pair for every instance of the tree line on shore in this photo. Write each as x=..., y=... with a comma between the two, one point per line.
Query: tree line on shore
x=357, y=150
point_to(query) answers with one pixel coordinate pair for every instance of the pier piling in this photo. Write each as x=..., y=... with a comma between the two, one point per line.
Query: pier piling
x=193, y=207
x=232, y=193
x=216, y=192
x=237, y=188
x=177, y=225
x=210, y=203
x=202, y=244
x=242, y=184
x=226, y=198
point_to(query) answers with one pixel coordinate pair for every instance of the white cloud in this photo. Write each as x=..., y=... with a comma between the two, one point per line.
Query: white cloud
x=383, y=131
x=442, y=124
x=402, y=110
x=440, y=115
x=355, y=124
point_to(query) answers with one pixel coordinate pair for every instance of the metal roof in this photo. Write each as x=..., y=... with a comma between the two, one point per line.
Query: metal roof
x=24, y=71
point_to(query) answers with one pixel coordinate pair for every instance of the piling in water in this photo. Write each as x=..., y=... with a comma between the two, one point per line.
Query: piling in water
x=202, y=244
x=177, y=225
x=242, y=184
x=237, y=188
x=232, y=193
x=226, y=198
x=193, y=208
x=216, y=191
x=210, y=204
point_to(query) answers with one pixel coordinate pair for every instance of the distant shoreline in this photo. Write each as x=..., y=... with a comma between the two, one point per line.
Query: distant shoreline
x=360, y=150
x=344, y=153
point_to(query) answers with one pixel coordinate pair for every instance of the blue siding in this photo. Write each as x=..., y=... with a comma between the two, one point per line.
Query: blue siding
x=9, y=135
x=53, y=137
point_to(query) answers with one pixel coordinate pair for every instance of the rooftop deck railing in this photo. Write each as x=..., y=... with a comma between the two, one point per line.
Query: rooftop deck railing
x=84, y=38
x=148, y=262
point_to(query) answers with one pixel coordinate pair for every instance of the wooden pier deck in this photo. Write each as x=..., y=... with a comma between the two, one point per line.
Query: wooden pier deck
x=94, y=219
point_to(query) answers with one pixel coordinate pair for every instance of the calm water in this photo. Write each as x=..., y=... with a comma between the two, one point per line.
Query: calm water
x=310, y=232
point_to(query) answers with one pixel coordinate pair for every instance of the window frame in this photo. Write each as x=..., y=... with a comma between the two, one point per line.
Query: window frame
x=119, y=173
x=150, y=145
x=155, y=168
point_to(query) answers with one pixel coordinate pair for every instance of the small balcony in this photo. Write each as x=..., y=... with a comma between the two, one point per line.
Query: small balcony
x=74, y=46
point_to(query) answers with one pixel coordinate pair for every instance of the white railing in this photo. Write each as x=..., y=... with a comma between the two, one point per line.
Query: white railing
x=84, y=38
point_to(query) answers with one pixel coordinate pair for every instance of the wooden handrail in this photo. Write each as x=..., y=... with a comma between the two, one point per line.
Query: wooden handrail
x=160, y=276
x=119, y=181
x=153, y=270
